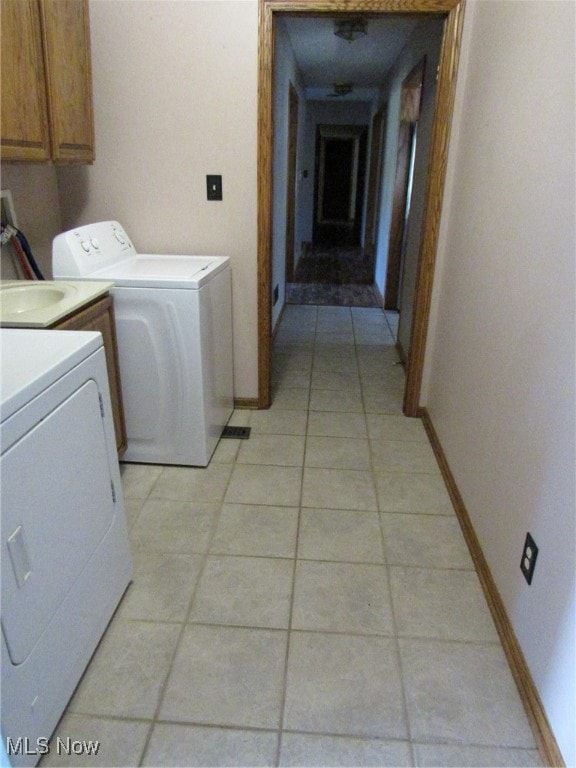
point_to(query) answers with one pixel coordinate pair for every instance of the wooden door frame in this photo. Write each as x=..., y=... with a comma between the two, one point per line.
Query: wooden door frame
x=453, y=12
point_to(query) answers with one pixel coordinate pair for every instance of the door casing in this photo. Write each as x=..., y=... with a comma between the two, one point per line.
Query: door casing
x=453, y=12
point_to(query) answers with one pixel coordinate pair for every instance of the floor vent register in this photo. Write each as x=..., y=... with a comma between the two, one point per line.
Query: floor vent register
x=237, y=433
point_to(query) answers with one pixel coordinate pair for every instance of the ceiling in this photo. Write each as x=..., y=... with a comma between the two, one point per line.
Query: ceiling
x=324, y=59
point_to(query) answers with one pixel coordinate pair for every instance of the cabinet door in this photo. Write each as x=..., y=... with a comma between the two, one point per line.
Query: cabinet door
x=25, y=134
x=100, y=317
x=66, y=34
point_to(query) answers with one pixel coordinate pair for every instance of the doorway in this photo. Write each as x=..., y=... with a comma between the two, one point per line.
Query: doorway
x=336, y=180
x=452, y=12
x=340, y=158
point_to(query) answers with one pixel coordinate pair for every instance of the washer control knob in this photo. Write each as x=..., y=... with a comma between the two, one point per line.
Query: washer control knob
x=120, y=237
x=95, y=243
x=85, y=245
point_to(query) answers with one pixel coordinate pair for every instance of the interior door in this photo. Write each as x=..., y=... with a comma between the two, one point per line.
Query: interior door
x=291, y=181
x=409, y=115
x=374, y=180
x=337, y=177
x=400, y=202
x=339, y=189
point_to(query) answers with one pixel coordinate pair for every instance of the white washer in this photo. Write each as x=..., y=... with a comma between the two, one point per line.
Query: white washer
x=174, y=328
x=65, y=554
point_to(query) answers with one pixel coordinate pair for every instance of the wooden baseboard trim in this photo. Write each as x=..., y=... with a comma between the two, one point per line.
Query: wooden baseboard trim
x=250, y=403
x=543, y=734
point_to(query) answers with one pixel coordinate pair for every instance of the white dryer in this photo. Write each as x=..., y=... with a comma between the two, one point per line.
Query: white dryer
x=174, y=329
x=65, y=554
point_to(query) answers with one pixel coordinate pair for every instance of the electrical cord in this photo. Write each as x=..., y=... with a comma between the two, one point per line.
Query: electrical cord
x=28, y=251
x=22, y=258
x=11, y=234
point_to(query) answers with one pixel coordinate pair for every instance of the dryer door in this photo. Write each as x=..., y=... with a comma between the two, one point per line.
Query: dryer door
x=57, y=505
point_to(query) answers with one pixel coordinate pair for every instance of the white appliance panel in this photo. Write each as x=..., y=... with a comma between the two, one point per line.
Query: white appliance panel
x=26, y=374
x=174, y=329
x=216, y=351
x=36, y=692
x=187, y=273
x=33, y=585
x=185, y=267
x=86, y=250
x=77, y=544
x=160, y=369
x=103, y=251
x=164, y=267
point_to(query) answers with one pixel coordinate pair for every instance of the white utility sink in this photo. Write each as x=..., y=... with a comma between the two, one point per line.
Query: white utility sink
x=24, y=298
x=31, y=304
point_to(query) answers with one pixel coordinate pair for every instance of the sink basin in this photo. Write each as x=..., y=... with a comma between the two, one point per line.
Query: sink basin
x=31, y=304
x=26, y=298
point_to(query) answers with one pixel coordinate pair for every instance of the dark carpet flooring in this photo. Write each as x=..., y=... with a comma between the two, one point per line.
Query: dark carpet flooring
x=333, y=275
x=325, y=294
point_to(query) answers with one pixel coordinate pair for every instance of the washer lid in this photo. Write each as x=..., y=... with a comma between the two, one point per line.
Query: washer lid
x=103, y=251
x=159, y=271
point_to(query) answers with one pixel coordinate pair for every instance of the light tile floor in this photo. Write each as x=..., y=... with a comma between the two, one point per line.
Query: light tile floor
x=307, y=599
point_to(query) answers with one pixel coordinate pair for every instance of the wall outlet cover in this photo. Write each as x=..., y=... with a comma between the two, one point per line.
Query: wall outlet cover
x=529, y=555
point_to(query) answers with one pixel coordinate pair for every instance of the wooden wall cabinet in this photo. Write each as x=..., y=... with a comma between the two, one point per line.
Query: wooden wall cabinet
x=46, y=71
x=99, y=316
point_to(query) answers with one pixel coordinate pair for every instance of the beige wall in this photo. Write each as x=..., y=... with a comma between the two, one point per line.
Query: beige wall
x=500, y=366
x=35, y=196
x=175, y=88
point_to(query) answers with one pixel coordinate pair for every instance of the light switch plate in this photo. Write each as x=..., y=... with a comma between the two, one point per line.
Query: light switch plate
x=214, y=187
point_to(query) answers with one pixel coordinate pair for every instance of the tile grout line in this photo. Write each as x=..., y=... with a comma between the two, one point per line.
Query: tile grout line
x=411, y=745
x=294, y=565
x=389, y=588
x=151, y=722
x=387, y=574
x=184, y=625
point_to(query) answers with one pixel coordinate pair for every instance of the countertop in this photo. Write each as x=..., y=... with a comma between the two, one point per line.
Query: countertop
x=74, y=295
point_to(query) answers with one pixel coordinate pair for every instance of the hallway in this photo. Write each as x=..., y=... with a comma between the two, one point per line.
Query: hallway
x=307, y=599
x=333, y=275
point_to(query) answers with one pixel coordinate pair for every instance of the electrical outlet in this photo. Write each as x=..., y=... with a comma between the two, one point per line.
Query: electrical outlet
x=275, y=296
x=529, y=555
